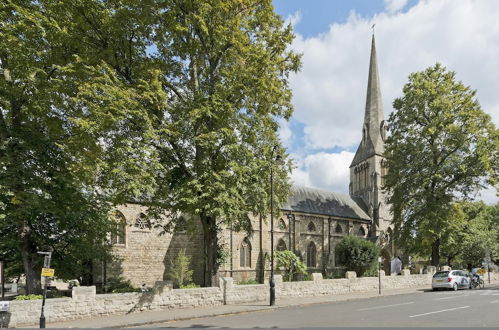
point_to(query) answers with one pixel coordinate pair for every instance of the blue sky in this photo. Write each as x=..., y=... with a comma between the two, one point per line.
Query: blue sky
x=334, y=37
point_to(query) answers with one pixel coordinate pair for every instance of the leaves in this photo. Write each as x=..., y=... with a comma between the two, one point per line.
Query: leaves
x=442, y=147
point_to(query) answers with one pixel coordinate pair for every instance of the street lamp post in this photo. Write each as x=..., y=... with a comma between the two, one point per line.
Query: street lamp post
x=379, y=274
x=278, y=158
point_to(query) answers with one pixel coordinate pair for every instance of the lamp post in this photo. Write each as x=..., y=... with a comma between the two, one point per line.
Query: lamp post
x=379, y=274
x=277, y=159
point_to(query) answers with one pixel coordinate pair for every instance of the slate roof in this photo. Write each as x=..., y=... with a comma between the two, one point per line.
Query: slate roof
x=316, y=201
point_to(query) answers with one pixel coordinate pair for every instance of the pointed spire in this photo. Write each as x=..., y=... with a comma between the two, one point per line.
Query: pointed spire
x=374, y=108
x=372, y=141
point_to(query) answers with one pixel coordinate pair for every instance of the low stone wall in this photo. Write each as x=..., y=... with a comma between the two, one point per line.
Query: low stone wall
x=86, y=304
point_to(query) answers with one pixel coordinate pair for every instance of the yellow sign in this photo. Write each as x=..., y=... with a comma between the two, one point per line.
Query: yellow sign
x=48, y=272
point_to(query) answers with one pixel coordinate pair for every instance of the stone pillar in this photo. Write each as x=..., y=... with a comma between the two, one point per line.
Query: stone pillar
x=406, y=272
x=83, y=293
x=226, y=284
x=350, y=275
x=431, y=270
x=316, y=277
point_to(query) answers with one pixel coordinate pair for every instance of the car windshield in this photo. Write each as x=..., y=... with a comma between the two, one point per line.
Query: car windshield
x=441, y=274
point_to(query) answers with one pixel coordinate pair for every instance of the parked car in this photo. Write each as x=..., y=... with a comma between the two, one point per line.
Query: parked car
x=451, y=279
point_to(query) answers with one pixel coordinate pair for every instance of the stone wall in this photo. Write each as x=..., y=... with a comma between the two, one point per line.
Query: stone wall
x=86, y=304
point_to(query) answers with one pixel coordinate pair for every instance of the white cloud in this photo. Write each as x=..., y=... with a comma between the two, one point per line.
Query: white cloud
x=285, y=133
x=393, y=6
x=329, y=171
x=329, y=92
x=293, y=19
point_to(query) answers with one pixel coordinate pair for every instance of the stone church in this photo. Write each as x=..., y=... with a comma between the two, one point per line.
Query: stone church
x=313, y=221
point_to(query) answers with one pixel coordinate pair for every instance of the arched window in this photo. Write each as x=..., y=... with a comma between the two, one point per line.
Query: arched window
x=311, y=255
x=338, y=229
x=142, y=222
x=245, y=254
x=282, y=225
x=119, y=236
x=384, y=171
x=311, y=226
x=181, y=225
x=281, y=245
x=362, y=232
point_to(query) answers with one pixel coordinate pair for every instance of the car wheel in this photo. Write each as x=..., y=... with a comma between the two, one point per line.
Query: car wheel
x=454, y=287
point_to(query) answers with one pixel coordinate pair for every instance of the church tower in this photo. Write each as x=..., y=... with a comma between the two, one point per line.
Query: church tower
x=368, y=166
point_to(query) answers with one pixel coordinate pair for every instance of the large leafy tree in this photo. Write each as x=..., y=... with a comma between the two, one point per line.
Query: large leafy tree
x=442, y=147
x=225, y=87
x=73, y=126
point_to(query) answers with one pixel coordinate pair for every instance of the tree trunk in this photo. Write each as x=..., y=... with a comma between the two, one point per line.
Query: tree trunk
x=33, y=271
x=210, y=250
x=435, y=253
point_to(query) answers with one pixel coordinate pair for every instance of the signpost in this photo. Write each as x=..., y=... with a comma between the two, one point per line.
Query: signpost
x=487, y=260
x=46, y=272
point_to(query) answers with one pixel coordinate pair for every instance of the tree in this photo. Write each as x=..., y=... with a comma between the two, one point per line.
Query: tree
x=73, y=87
x=442, y=147
x=222, y=93
x=357, y=254
x=180, y=269
x=290, y=263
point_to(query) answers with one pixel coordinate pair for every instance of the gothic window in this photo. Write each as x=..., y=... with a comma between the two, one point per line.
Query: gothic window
x=311, y=255
x=281, y=245
x=384, y=170
x=338, y=229
x=282, y=225
x=181, y=225
x=245, y=254
x=311, y=226
x=362, y=232
x=383, y=130
x=142, y=222
x=119, y=236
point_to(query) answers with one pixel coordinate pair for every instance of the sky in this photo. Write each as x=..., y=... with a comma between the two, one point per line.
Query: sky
x=334, y=38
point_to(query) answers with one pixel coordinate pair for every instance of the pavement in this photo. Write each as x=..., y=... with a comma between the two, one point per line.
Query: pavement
x=157, y=317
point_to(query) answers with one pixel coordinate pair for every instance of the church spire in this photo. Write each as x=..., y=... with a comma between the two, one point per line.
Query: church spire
x=372, y=130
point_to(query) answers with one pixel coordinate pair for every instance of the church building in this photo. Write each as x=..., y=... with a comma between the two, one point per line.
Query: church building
x=312, y=221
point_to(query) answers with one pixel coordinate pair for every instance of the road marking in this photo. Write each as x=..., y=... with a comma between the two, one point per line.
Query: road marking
x=457, y=296
x=440, y=311
x=386, y=306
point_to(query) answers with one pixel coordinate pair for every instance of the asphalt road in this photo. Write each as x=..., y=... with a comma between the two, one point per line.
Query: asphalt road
x=464, y=308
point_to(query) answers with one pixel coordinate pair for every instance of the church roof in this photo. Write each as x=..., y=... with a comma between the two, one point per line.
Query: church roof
x=316, y=201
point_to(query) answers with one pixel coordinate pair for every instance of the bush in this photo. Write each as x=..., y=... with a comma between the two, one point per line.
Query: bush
x=29, y=297
x=357, y=254
x=246, y=282
x=290, y=264
x=189, y=286
x=180, y=272
x=119, y=285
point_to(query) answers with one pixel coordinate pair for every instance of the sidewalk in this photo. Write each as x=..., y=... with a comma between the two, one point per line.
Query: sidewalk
x=147, y=318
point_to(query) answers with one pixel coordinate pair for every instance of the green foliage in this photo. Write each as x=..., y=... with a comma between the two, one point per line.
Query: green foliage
x=248, y=282
x=180, y=272
x=119, y=285
x=29, y=297
x=90, y=118
x=357, y=254
x=290, y=264
x=189, y=286
x=442, y=147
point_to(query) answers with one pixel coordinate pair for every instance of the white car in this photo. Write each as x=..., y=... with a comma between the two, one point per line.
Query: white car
x=451, y=279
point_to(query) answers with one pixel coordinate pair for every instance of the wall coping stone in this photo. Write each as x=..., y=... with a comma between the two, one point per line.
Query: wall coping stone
x=351, y=275
x=317, y=277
